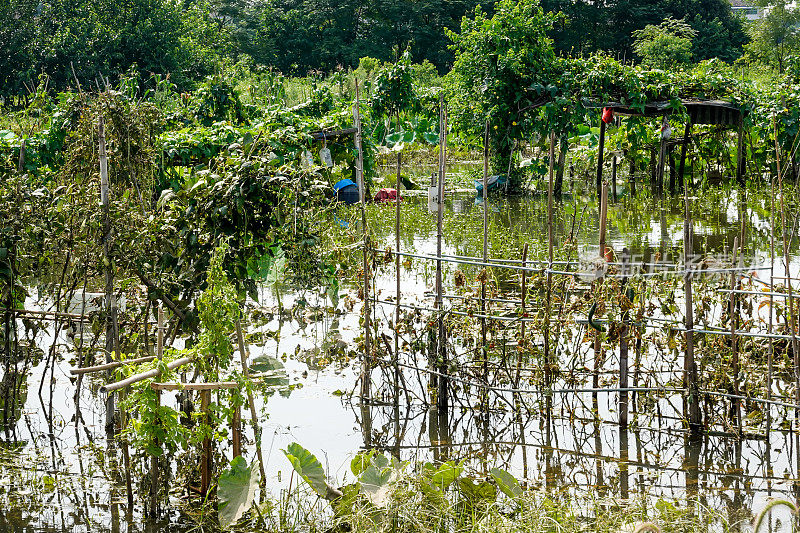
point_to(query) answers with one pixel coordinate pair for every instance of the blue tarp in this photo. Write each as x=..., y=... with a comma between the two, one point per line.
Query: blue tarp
x=341, y=184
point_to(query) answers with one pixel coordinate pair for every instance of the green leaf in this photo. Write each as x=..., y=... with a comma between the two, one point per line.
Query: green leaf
x=446, y=474
x=506, y=483
x=477, y=491
x=361, y=461
x=265, y=363
x=236, y=491
x=310, y=469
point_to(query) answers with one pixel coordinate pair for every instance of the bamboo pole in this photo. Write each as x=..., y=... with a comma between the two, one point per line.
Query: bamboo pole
x=598, y=345
x=485, y=256
x=206, y=457
x=144, y=375
x=600, y=149
x=623, y=349
x=243, y=353
x=110, y=301
x=209, y=386
x=523, y=298
x=695, y=419
x=687, y=133
x=441, y=352
x=110, y=366
x=614, y=177
x=550, y=242
x=21, y=162
x=153, y=511
x=735, y=414
x=366, y=371
x=397, y=285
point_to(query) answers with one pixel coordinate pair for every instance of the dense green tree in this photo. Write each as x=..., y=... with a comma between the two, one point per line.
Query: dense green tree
x=608, y=25
x=776, y=36
x=102, y=37
x=503, y=70
x=665, y=46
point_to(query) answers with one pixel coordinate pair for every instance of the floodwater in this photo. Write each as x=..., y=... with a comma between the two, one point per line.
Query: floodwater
x=58, y=473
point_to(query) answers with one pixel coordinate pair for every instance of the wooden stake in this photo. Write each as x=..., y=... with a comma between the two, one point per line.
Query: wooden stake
x=154, y=511
x=623, y=347
x=550, y=242
x=110, y=301
x=600, y=149
x=684, y=146
x=484, y=351
x=614, y=177
x=397, y=283
x=366, y=371
x=734, y=341
x=523, y=297
x=695, y=420
x=441, y=398
x=243, y=354
x=206, y=457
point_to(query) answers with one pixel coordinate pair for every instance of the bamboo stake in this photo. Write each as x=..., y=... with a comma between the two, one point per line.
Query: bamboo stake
x=485, y=251
x=734, y=343
x=598, y=346
x=206, y=458
x=21, y=163
x=695, y=420
x=243, y=353
x=623, y=350
x=771, y=351
x=523, y=298
x=110, y=366
x=110, y=301
x=154, y=460
x=442, y=394
x=144, y=375
x=209, y=386
x=366, y=371
x=600, y=149
x=550, y=242
x=397, y=284
x=614, y=177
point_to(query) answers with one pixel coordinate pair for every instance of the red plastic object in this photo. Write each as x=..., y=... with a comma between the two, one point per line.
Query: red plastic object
x=608, y=115
x=386, y=195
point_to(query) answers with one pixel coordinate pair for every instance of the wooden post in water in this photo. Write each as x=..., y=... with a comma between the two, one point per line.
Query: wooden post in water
x=600, y=149
x=614, y=177
x=740, y=159
x=623, y=346
x=153, y=510
x=549, y=294
x=397, y=284
x=524, y=291
x=734, y=341
x=366, y=371
x=206, y=457
x=484, y=277
x=695, y=419
x=598, y=345
x=441, y=351
x=687, y=134
x=662, y=155
x=243, y=353
x=110, y=301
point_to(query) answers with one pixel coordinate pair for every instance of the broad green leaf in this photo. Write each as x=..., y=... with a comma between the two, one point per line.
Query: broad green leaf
x=236, y=491
x=477, y=491
x=506, y=483
x=310, y=469
x=265, y=363
x=361, y=461
x=446, y=474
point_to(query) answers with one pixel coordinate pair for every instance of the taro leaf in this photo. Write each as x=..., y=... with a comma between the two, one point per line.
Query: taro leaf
x=310, y=469
x=265, y=363
x=475, y=492
x=431, y=138
x=376, y=481
x=361, y=461
x=446, y=474
x=236, y=490
x=506, y=483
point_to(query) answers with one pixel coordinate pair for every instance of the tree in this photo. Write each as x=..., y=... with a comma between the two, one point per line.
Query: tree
x=665, y=46
x=502, y=72
x=775, y=36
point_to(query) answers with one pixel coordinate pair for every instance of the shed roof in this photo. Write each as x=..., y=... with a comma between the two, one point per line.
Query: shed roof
x=718, y=112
